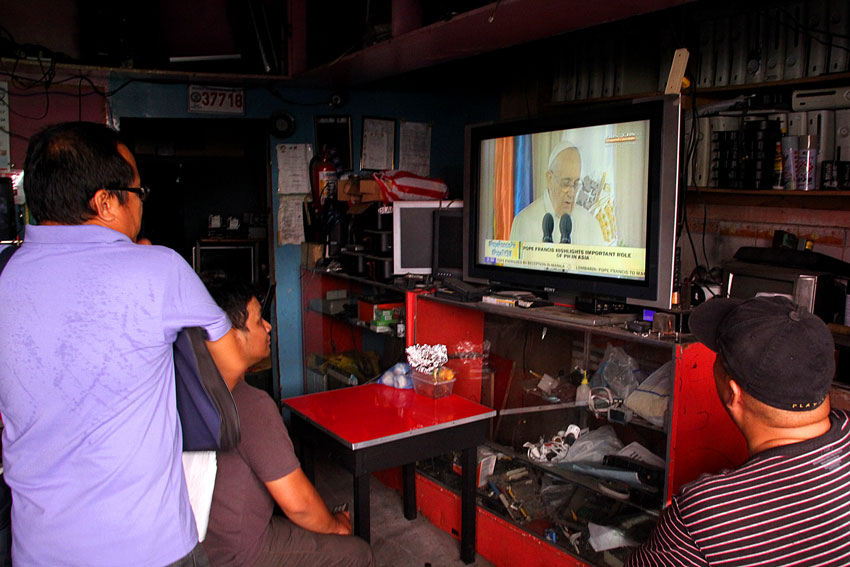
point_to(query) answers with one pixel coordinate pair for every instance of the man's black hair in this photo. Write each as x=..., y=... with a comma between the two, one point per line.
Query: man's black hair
x=234, y=297
x=65, y=166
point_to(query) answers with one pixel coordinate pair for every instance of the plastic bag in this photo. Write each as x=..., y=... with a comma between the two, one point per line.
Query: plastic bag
x=397, y=185
x=555, y=494
x=651, y=398
x=593, y=446
x=603, y=538
x=618, y=372
x=398, y=377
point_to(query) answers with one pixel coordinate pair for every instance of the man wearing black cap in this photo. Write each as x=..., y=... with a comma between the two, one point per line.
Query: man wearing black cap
x=789, y=503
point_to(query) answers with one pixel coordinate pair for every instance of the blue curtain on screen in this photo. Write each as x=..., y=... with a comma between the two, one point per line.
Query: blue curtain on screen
x=523, y=181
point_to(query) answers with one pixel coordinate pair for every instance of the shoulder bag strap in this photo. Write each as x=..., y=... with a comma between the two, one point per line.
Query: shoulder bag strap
x=6, y=254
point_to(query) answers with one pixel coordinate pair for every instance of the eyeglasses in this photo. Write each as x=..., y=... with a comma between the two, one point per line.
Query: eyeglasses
x=568, y=183
x=142, y=192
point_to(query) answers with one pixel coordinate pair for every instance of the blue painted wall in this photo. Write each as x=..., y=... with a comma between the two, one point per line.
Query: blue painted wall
x=447, y=112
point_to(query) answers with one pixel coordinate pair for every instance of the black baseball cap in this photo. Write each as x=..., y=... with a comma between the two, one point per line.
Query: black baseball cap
x=777, y=352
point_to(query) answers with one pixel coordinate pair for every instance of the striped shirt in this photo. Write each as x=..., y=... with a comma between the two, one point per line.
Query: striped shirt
x=789, y=505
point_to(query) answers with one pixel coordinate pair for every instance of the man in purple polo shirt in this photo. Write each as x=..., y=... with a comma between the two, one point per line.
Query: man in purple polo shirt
x=92, y=443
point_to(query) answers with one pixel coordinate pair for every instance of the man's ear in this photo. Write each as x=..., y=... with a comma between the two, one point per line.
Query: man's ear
x=241, y=338
x=104, y=204
x=734, y=394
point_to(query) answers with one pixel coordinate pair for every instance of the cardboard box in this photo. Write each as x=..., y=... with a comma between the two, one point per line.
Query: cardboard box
x=359, y=190
x=380, y=312
x=486, y=466
x=328, y=306
x=336, y=294
x=311, y=253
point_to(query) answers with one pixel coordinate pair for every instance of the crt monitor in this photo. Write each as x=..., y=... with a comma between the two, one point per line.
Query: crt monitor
x=447, y=252
x=582, y=201
x=413, y=234
x=221, y=261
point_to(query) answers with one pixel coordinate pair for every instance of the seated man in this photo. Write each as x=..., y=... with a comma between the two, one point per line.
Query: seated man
x=263, y=470
x=789, y=503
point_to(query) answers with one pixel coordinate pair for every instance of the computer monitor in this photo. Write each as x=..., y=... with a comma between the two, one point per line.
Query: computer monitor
x=447, y=248
x=225, y=261
x=413, y=225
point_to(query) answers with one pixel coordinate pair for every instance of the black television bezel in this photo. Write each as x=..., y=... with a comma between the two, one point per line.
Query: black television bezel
x=656, y=289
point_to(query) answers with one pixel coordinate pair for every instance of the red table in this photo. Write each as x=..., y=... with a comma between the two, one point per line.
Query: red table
x=375, y=427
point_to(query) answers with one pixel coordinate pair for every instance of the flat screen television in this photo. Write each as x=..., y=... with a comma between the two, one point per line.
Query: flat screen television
x=413, y=224
x=580, y=202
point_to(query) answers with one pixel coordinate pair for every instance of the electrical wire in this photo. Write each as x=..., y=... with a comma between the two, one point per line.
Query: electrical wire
x=271, y=90
x=810, y=32
x=46, y=62
x=14, y=134
x=690, y=156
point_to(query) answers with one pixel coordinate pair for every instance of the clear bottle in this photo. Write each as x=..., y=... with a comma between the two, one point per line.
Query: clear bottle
x=583, y=391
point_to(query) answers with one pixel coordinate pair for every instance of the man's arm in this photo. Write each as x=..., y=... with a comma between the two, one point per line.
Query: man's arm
x=669, y=545
x=228, y=358
x=301, y=503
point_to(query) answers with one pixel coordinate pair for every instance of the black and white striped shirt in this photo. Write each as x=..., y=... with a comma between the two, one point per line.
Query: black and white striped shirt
x=788, y=505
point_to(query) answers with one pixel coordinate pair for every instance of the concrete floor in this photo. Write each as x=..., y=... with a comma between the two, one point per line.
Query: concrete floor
x=396, y=542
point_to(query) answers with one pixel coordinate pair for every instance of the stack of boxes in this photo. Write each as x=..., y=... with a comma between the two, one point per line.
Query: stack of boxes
x=382, y=314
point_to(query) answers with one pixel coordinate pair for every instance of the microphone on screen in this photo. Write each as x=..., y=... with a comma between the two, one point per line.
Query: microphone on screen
x=566, y=227
x=548, y=227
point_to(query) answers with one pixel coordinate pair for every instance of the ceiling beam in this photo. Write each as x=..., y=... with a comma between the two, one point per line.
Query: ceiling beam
x=496, y=26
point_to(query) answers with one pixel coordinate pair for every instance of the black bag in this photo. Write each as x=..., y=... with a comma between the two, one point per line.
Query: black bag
x=207, y=411
x=6, y=254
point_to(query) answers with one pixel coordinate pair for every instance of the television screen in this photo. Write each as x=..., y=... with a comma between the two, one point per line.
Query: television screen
x=584, y=201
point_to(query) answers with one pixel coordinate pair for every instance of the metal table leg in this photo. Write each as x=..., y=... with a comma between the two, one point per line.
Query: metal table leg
x=469, y=462
x=362, y=522
x=408, y=472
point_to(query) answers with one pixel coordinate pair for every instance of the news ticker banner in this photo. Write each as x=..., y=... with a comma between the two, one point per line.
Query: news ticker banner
x=615, y=262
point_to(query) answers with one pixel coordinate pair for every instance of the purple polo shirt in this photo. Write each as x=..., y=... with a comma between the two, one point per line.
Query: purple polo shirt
x=92, y=443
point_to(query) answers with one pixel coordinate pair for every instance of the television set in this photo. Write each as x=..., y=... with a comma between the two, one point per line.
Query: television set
x=413, y=234
x=583, y=201
x=220, y=261
x=447, y=253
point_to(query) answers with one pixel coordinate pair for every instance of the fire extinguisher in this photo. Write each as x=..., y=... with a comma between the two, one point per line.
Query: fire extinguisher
x=322, y=180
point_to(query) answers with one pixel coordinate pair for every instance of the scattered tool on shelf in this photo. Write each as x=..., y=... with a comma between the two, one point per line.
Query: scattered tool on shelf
x=571, y=535
x=516, y=474
x=516, y=504
x=514, y=514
